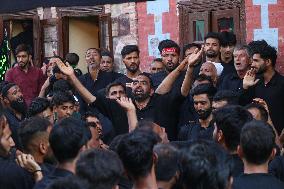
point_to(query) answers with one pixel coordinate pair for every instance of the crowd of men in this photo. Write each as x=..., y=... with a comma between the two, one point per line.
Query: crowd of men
x=207, y=116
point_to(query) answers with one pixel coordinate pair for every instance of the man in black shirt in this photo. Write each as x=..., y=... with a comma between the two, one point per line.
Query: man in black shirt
x=229, y=122
x=256, y=149
x=242, y=62
x=269, y=86
x=12, y=176
x=67, y=139
x=203, y=129
x=227, y=41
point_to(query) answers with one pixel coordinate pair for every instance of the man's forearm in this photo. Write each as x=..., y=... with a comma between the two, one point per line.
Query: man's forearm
x=85, y=94
x=168, y=82
x=186, y=84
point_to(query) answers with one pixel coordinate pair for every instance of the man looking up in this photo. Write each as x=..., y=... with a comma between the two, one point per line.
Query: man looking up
x=25, y=75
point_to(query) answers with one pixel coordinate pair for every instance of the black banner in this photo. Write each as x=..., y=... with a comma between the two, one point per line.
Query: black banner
x=10, y=6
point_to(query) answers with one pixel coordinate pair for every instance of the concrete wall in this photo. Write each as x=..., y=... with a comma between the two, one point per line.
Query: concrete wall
x=264, y=20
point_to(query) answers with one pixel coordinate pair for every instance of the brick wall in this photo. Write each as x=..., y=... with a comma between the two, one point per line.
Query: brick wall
x=264, y=21
x=157, y=20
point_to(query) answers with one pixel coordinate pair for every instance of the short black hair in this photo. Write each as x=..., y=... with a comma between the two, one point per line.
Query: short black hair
x=61, y=97
x=167, y=43
x=231, y=97
x=107, y=53
x=115, y=142
x=227, y=39
x=265, y=51
x=204, y=164
x=23, y=48
x=30, y=129
x=230, y=120
x=67, y=137
x=136, y=153
x=2, y=84
x=70, y=182
x=90, y=114
x=129, y=49
x=61, y=85
x=72, y=59
x=257, y=142
x=190, y=45
x=37, y=106
x=213, y=35
x=167, y=165
x=101, y=168
x=6, y=88
x=96, y=49
x=207, y=88
x=261, y=109
x=114, y=84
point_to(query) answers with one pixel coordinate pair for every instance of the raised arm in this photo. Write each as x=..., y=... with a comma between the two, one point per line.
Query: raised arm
x=168, y=82
x=192, y=60
x=68, y=70
x=128, y=106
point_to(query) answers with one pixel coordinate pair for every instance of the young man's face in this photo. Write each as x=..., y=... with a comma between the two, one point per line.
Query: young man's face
x=170, y=60
x=6, y=141
x=95, y=141
x=106, y=64
x=219, y=104
x=202, y=106
x=212, y=47
x=47, y=114
x=23, y=59
x=132, y=62
x=16, y=100
x=241, y=60
x=259, y=64
x=116, y=92
x=227, y=51
x=64, y=110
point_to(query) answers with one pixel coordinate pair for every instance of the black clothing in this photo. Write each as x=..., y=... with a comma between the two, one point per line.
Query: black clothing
x=52, y=177
x=12, y=176
x=157, y=79
x=276, y=167
x=232, y=82
x=272, y=93
x=14, y=124
x=187, y=112
x=124, y=79
x=257, y=181
x=237, y=165
x=162, y=109
x=193, y=131
x=125, y=183
x=47, y=168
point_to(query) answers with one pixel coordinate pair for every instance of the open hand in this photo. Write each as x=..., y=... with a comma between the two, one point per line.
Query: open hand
x=64, y=68
x=194, y=57
x=126, y=103
x=249, y=79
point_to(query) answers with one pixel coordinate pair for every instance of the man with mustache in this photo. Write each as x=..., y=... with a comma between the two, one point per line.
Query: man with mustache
x=263, y=81
x=28, y=77
x=203, y=129
x=15, y=108
x=130, y=58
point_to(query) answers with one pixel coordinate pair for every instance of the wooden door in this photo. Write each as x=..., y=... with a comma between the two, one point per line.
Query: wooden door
x=105, y=32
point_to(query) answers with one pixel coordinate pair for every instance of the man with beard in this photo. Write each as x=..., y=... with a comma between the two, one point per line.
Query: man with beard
x=203, y=129
x=15, y=108
x=162, y=109
x=170, y=52
x=25, y=75
x=242, y=64
x=130, y=58
x=33, y=135
x=270, y=84
x=212, y=50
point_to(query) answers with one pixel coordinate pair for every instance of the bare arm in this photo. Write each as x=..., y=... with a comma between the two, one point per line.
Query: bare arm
x=43, y=88
x=168, y=82
x=192, y=60
x=68, y=70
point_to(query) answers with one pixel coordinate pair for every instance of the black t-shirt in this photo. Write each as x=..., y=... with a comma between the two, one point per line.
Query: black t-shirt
x=193, y=131
x=257, y=181
x=237, y=165
x=276, y=167
x=13, y=176
x=52, y=177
